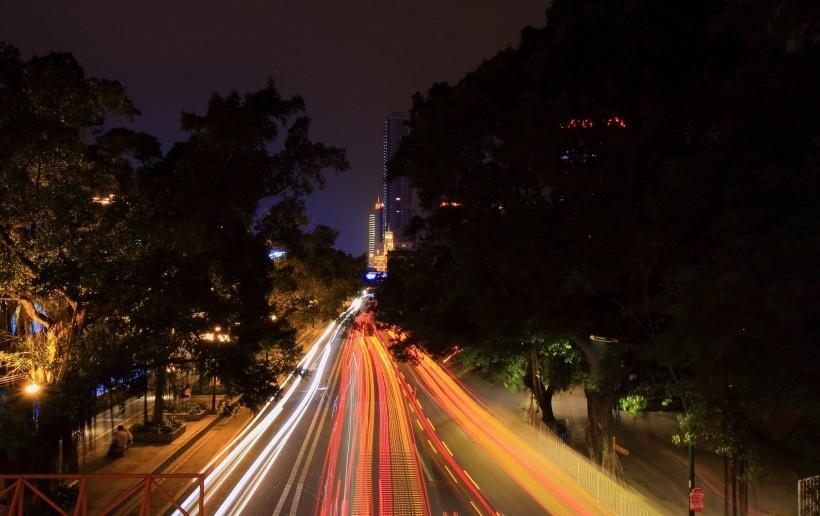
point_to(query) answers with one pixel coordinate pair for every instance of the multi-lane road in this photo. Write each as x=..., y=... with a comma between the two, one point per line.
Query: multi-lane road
x=357, y=433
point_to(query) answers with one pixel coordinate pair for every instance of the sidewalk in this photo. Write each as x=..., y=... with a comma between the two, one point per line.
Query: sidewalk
x=188, y=453
x=655, y=467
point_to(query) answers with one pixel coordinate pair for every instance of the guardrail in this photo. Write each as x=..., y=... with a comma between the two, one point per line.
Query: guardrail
x=600, y=483
x=808, y=496
x=21, y=493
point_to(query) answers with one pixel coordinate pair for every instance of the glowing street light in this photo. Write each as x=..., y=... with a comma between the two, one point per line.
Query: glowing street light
x=103, y=200
x=33, y=389
x=218, y=337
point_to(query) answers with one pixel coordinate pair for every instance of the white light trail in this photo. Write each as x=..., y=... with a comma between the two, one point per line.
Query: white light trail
x=225, y=465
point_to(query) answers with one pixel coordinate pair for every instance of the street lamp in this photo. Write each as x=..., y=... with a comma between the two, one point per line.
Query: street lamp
x=103, y=200
x=690, y=437
x=218, y=337
x=33, y=389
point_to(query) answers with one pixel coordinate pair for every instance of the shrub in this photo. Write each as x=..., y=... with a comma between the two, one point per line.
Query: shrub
x=65, y=494
x=168, y=426
x=229, y=409
x=186, y=407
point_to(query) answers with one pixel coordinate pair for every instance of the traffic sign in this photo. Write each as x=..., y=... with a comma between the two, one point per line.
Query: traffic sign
x=696, y=499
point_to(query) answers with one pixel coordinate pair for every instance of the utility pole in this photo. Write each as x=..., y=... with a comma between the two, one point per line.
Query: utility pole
x=691, y=471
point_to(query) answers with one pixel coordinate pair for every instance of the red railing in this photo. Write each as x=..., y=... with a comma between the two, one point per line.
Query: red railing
x=136, y=492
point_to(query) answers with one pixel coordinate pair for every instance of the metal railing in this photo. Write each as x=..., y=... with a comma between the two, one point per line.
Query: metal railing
x=808, y=496
x=135, y=493
x=614, y=495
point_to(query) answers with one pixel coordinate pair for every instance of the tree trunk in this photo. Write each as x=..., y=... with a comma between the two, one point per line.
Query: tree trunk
x=600, y=402
x=159, y=394
x=725, y=485
x=548, y=416
x=110, y=407
x=733, y=473
x=599, y=432
x=145, y=403
x=543, y=395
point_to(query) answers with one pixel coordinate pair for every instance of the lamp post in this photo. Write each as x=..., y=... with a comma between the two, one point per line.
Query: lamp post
x=690, y=436
x=691, y=444
x=213, y=387
x=33, y=389
x=218, y=337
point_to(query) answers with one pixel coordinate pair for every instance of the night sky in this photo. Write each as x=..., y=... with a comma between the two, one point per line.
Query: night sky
x=354, y=62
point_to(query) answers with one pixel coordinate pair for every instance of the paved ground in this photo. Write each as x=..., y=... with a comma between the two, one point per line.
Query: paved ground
x=654, y=467
x=188, y=453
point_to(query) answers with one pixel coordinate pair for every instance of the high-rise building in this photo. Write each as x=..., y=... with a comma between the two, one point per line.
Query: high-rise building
x=375, y=234
x=371, y=238
x=399, y=197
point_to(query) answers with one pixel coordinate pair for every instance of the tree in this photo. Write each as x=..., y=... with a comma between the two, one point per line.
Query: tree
x=202, y=249
x=311, y=279
x=60, y=172
x=581, y=183
x=117, y=259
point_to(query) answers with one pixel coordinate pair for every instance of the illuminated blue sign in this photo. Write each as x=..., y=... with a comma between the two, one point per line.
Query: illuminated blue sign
x=374, y=276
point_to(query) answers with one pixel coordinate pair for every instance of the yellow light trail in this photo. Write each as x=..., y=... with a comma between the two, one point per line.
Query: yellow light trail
x=546, y=483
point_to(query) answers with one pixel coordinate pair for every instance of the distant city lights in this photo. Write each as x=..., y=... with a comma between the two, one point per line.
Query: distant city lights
x=588, y=123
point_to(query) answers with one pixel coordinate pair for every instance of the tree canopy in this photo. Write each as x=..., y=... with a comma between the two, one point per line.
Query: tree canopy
x=117, y=259
x=640, y=173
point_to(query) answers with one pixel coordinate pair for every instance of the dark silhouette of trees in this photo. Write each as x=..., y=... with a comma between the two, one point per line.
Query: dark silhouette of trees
x=638, y=172
x=117, y=260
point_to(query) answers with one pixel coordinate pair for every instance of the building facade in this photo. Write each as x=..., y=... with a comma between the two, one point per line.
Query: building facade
x=375, y=232
x=399, y=198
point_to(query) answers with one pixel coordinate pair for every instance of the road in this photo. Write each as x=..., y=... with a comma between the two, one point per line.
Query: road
x=342, y=439
x=371, y=466
x=275, y=463
x=358, y=433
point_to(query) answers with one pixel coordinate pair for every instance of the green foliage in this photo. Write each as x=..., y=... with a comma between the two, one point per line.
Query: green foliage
x=65, y=494
x=115, y=257
x=185, y=407
x=509, y=370
x=166, y=426
x=633, y=404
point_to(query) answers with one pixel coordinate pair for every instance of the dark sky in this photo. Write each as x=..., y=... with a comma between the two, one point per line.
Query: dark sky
x=353, y=61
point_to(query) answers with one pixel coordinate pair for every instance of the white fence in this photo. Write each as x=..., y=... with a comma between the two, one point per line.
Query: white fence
x=808, y=496
x=621, y=499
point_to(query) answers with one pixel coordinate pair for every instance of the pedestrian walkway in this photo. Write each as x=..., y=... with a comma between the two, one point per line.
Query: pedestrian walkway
x=189, y=453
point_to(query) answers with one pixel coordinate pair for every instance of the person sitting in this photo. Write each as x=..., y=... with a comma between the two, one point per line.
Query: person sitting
x=122, y=439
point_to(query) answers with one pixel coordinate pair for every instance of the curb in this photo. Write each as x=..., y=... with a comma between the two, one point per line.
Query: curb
x=185, y=447
x=165, y=464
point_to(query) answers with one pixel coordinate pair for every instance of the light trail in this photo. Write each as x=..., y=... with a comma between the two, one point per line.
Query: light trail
x=547, y=484
x=379, y=471
x=442, y=454
x=223, y=467
x=246, y=487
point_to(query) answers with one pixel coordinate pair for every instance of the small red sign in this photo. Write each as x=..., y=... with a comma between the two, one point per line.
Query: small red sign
x=696, y=499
